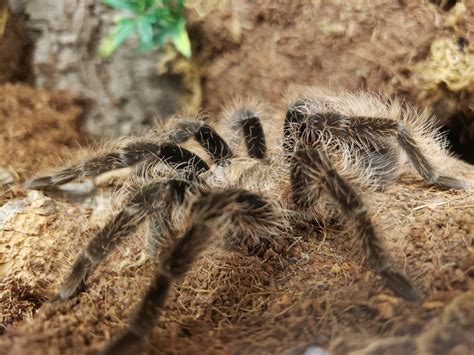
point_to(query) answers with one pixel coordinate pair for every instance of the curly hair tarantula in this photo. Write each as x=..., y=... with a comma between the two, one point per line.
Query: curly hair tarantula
x=253, y=188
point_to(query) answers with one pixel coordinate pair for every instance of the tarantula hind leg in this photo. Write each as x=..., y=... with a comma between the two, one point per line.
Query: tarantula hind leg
x=423, y=165
x=158, y=198
x=311, y=165
x=212, y=215
x=376, y=128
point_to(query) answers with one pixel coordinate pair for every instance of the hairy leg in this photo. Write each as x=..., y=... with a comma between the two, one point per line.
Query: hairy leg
x=211, y=216
x=181, y=158
x=295, y=116
x=248, y=122
x=133, y=153
x=205, y=135
x=329, y=125
x=157, y=197
x=162, y=231
x=311, y=166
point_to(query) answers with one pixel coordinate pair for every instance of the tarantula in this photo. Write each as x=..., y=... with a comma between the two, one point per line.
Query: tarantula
x=330, y=147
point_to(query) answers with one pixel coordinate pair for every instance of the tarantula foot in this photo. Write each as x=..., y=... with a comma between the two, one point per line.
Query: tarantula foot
x=41, y=183
x=401, y=285
x=448, y=182
x=75, y=282
x=127, y=343
x=69, y=289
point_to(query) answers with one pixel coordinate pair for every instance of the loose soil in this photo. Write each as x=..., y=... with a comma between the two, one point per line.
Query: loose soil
x=37, y=128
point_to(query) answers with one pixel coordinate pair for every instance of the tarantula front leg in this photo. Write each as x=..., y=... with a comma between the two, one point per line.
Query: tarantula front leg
x=131, y=154
x=211, y=216
x=311, y=166
x=160, y=198
x=243, y=120
x=205, y=135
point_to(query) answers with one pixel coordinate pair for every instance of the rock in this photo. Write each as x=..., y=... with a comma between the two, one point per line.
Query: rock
x=123, y=93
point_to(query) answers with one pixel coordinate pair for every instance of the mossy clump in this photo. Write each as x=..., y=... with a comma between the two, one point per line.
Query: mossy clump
x=450, y=64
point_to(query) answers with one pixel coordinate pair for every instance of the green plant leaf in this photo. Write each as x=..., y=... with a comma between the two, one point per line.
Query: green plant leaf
x=129, y=5
x=166, y=3
x=160, y=15
x=179, y=6
x=155, y=22
x=124, y=22
x=142, y=6
x=121, y=31
x=145, y=32
x=180, y=39
x=149, y=3
x=160, y=37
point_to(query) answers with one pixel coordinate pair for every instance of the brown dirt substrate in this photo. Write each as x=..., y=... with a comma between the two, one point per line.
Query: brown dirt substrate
x=37, y=127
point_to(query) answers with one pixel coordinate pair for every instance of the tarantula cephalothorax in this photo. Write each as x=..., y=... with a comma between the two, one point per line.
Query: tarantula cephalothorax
x=329, y=147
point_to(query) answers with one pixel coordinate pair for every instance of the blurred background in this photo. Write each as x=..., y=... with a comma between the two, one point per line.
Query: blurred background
x=58, y=91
